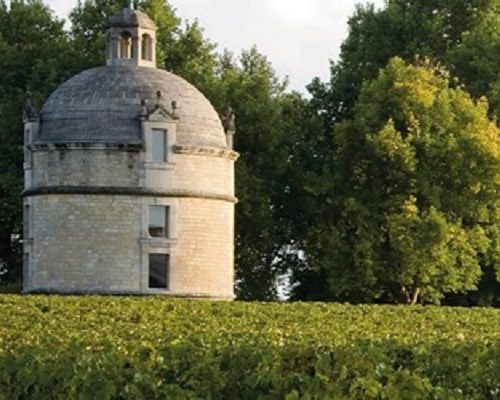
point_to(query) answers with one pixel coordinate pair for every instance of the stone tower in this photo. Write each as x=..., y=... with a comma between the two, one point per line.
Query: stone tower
x=129, y=180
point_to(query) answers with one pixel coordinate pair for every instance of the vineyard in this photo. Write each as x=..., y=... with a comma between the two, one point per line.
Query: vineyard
x=146, y=348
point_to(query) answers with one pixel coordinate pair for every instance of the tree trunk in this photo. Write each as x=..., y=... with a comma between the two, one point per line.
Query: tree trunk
x=415, y=296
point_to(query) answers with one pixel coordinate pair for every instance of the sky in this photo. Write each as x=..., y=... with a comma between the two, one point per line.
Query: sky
x=299, y=37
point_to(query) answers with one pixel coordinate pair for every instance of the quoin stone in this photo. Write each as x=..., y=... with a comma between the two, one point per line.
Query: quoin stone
x=129, y=180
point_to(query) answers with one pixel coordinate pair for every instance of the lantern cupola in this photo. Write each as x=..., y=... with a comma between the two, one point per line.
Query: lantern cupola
x=131, y=39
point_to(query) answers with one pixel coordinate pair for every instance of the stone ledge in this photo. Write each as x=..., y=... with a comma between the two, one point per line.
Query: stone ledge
x=124, y=191
x=206, y=151
x=135, y=147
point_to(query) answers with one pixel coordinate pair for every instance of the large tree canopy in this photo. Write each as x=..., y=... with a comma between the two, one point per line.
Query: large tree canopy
x=460, y=37
x=476, y=60
x=413, y=191
x=268, y=122
x=407, y=29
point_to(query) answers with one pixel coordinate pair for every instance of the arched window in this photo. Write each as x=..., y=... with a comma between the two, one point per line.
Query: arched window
x=125, y=45
x=147, y=48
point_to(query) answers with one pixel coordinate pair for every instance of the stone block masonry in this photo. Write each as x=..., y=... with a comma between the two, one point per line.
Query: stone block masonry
x=86, y=243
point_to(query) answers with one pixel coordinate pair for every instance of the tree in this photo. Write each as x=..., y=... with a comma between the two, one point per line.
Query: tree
x=459, y=36
x=268, y=125
x=411, y=210
x=475, y=60
x=404, y=28
x=33, y=47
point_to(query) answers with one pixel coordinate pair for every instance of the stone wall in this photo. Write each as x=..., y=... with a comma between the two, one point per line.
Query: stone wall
x=86, y=167
x=200, y=174
x=128, y=169
x=85, y=243
x=98, y=241
x=204, y=254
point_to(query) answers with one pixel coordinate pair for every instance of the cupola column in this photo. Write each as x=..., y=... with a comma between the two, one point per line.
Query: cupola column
x=135, y=47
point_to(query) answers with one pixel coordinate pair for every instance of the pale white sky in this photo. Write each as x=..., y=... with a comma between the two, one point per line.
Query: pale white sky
x=297, y=36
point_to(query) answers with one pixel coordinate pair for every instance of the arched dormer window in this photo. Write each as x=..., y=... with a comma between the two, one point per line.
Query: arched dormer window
x=126, y=50
x=147, y=48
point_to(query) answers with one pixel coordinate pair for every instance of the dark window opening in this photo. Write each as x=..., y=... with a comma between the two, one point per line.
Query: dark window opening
x=158, y=271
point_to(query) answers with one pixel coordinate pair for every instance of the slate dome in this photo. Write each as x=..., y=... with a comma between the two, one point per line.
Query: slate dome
x=103, y=105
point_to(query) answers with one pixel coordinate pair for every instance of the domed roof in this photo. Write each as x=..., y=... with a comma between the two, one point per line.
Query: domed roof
x=103, y=105
x=131, y=18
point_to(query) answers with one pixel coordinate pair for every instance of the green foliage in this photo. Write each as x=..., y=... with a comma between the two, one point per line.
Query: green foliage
x=407, y=29
x=11, y=289
x=415, y=201
x=156, y=348
x=459, y=36
x=89, y=22
x=33, y=53
x=268, y=126
x=475, y=61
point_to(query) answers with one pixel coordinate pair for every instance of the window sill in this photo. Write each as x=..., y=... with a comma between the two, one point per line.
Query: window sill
x=158, y=291
x=159, y=165
x=158, y=243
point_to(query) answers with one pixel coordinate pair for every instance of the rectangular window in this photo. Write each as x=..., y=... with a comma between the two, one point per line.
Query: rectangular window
x=159, y=145
x=158, y=271
x=158, y=221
